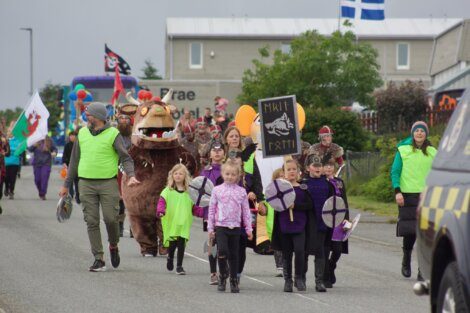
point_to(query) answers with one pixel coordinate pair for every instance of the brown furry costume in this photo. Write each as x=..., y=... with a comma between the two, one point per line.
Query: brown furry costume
x=155, y=150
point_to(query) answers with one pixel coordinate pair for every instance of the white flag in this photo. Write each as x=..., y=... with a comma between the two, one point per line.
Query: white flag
x=36, y=115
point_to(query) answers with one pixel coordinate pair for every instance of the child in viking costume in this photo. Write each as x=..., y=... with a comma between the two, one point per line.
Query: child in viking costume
x=289, y=232
x=334, y=249
x=213, y=173
x=320, y=190
x=228, y=209
x=175, y=210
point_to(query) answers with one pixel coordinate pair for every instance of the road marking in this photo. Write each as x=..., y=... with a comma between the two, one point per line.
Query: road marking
x=257, y=280
x=197, y=258
x=312, y=299
x=249, y=277
x=383, y=243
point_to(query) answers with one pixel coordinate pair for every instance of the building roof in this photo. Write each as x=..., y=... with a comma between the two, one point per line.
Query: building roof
x=292, y=27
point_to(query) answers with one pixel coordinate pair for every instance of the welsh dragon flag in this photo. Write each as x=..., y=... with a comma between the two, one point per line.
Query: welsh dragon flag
x=31, y=126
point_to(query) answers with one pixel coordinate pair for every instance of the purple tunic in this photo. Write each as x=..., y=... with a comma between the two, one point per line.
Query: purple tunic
x=319, y=188
x=300, y=217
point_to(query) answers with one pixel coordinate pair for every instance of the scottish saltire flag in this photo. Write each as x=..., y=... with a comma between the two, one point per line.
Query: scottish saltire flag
x=31, y=126
x=363, y=9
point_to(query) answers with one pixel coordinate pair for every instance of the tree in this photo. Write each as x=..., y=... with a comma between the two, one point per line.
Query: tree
x=321, y=71
x=398, y=107
x=8, y=115
x=150, y=72
x=49, y=95
x=348, y=130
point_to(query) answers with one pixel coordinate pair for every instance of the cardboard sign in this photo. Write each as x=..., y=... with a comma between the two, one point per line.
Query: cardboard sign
x=279, y=126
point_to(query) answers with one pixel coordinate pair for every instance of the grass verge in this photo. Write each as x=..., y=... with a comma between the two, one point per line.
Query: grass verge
x=363, y=203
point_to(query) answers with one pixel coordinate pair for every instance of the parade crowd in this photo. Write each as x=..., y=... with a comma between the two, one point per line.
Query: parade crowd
x=100, y=170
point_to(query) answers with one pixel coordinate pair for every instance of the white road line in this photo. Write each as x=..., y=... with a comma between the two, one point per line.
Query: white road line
x=312, y=299
x=249, y=277
x=257, y=280
x=197, y=258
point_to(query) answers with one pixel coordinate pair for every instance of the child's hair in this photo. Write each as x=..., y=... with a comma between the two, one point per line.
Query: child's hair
x=277, y=173
x=187, y=177
x=232, y=164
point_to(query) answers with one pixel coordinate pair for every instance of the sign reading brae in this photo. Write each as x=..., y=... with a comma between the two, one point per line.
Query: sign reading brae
x=279, y=126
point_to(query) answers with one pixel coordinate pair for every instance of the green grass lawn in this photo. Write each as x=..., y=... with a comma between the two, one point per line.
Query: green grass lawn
x=376, y=207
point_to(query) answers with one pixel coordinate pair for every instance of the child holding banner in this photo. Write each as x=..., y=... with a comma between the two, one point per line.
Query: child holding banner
x=175, y=210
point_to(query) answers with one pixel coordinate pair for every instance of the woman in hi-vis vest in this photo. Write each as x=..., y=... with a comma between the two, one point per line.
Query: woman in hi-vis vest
x=410, y=168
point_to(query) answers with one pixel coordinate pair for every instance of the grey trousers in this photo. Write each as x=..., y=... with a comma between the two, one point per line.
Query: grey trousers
x=93, y=194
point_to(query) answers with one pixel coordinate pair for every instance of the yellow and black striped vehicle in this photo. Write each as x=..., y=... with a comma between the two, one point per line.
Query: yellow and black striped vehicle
x=443, y=232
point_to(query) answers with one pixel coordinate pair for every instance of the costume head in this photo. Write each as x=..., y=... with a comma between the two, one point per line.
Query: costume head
x=154, y=127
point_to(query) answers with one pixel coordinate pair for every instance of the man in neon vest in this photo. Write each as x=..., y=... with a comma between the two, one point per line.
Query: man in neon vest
x=95, y=157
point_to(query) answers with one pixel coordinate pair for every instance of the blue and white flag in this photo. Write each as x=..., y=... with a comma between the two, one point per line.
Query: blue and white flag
x=363, y=9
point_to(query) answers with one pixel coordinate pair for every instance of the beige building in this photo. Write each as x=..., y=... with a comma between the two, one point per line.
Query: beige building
x=450, y=62
x=209, y=55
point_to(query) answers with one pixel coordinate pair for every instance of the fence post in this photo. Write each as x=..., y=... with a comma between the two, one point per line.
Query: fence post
x=348, y=165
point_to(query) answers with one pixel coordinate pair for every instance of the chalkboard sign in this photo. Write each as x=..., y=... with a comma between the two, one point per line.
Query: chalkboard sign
x=279, y=126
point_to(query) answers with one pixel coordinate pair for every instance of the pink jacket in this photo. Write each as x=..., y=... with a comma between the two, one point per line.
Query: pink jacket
x=228, y=207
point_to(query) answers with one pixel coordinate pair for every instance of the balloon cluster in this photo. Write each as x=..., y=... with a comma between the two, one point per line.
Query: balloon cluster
x=144, y=95
x=79, y=93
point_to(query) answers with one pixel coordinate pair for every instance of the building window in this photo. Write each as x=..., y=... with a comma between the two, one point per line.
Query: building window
x=195, y=55
x=403, y=56
x=285, y=48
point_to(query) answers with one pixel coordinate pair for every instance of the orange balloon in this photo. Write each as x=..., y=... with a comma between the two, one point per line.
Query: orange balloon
x=300, y=116
x=244, y=118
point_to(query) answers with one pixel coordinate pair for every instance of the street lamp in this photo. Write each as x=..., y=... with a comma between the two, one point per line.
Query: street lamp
x=30, y=30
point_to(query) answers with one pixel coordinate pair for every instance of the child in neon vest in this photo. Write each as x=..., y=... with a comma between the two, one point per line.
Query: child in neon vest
x=175, y=209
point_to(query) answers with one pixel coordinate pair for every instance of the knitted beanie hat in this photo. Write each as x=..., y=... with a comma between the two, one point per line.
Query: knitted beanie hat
x=420, y=124
x=97, y=110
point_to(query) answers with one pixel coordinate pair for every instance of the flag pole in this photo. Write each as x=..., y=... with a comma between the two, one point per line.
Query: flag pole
x=339, y=15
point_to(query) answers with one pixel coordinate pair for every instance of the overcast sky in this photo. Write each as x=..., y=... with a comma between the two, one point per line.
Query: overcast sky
x=69, y=36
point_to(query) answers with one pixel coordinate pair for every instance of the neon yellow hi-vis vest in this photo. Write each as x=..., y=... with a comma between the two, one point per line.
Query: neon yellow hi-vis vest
x=98, y=158
x=415, y=169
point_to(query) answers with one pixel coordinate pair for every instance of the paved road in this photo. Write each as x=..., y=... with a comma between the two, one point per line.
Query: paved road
x=43, y=268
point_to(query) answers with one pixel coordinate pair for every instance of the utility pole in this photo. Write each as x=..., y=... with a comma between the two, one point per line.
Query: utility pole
x=30, y=30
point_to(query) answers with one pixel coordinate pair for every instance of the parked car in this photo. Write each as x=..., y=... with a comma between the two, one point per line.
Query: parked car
x=443, y=228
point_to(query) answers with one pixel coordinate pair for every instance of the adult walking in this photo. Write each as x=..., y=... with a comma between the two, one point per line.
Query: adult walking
x=43, y=153
x=4, y=151
x=12, y=163
x=410, y=168
x=95, y=157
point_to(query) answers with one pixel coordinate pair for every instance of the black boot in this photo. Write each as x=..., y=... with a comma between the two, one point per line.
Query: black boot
x=332, y=267
x=406, y=263
x=327, y=276
x=300, y=283
x=319, y=272
x=130, y=233
x=223, y=274
x=222, y=282
x=121, y=229
x=234, y=285
x=287, y=273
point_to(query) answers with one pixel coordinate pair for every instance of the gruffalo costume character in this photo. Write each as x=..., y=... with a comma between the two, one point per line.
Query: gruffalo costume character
x=155, y=150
